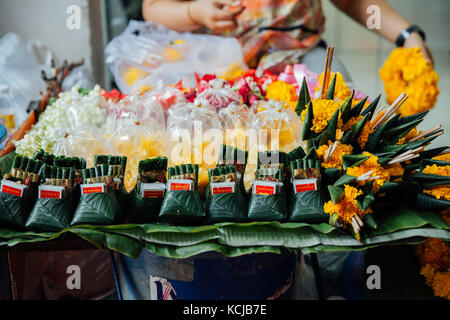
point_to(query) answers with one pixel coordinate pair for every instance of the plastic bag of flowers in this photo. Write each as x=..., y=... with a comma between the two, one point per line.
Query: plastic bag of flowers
x=166, y=96
x=18, y=192
x=216, y=93
x=56, y=201
x=98, y=204
x=182, y=204
x=136, y=129
x=268, y=199
x=307, y=196
x=434, y=181
x=145, y=200
x=194, y=138
x=226, y=201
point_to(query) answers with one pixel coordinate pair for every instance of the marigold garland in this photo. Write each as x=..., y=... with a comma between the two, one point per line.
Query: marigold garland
x=406, y=70
x=323, y=110
x=348, y=207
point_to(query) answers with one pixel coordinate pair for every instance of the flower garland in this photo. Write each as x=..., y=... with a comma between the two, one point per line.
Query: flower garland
x=406, y=70
x=434, y=256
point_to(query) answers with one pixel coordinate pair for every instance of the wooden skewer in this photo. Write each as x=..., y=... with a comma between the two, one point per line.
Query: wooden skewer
x=331, y=150
x=437, y=134
x=391, y=110
x=423, y=134
x=374, y=178
x=358, y=219
x=364, y=176
x=327, y=71
x=355, y=225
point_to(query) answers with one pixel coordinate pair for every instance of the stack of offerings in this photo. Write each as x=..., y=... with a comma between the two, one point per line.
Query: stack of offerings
x=268, y=199
x=182, y=203
x=100, y=192
x=146, y=198
x=18, y=192
x=58, y=193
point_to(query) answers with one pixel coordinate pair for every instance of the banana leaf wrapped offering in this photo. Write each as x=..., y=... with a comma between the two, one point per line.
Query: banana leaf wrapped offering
x=99, y=203
x=307, y=196
x=365, y=154
x=182, y=203
x=145, y=200
x=57, y=200
x=434, y=183
x=225, y=200
x=18, y=192
x=268, y=199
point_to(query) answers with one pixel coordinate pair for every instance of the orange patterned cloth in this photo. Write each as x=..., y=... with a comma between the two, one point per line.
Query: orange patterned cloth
x=274, y=32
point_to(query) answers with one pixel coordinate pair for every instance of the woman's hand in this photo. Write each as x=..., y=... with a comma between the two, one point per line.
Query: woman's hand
x=217, y=15
x=415, y=41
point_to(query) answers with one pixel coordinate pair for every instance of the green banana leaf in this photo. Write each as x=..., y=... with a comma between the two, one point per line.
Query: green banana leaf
x=268, y=207
x=307, y=207
x=51, y=215
x=182, y=207
x=6, y=163
x=427, y=202
x=400, y=225
x=97, y=208
x=227, y=207
x=14, y=211
x=142, y=210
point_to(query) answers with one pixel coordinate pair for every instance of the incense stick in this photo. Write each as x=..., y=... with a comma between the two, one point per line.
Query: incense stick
x=423, y=134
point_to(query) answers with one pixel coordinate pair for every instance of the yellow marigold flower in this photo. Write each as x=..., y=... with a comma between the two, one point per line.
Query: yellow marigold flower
x=434, y=252
x=284, y=92
x=348, y=207
x=323, y=110
x=444, y=157
x=364, y=136
x=395, y=170
x=370, y=164
x=428, y=271
x=341, y=91
x=406, y=70
x=336, y=159
x=438, y=170
x=439, y=192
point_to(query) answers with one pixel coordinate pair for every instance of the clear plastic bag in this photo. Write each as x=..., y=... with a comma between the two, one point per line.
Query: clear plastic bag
x=218, y=98
x=146, y=53
x=136, y=129
x=80, y=77
x=195, y=135
x=20, y=72
x=165, y=96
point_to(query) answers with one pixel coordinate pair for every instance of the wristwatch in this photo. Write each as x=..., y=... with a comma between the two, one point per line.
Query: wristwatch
x=406, y=33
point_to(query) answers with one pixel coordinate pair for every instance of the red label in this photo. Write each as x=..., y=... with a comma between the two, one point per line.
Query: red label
x=11, y=190
x=153, y=194
x=179, y=186
x=87, y=190
x=267, y=190
x=49, y=194
x=219, y=190
x=305, y=187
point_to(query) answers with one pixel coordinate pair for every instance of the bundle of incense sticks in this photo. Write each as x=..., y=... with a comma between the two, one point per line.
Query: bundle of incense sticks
x=233, y=156
x=327, y=72
x=330, y=151
x=305, y=169
x=184, y=172
x=271, y=166
x=223, y=174
x=57, y=176
x=60, y=161
x=102, y=173
x=24, y=171
x=390, y=111
x=153, y=170
x=117, y=163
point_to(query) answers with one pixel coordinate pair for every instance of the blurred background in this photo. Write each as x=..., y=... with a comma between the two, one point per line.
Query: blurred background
x=362, y=52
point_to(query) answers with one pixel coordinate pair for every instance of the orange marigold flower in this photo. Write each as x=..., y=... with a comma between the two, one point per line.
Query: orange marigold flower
x=438, y=170
x=441, y=285
x=323, y=110
x=336, y=158
x=348, y=207
x=370, y=164
x=444, y=157
x=341, y=91
x=284, y=92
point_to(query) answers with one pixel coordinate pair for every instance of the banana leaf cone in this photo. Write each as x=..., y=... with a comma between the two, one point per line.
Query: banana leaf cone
x=98, y=209
x=142, y=210
x=428, y=202
x=182, y=207
x=52, y=215
x=226, y=207
x=14, y=210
